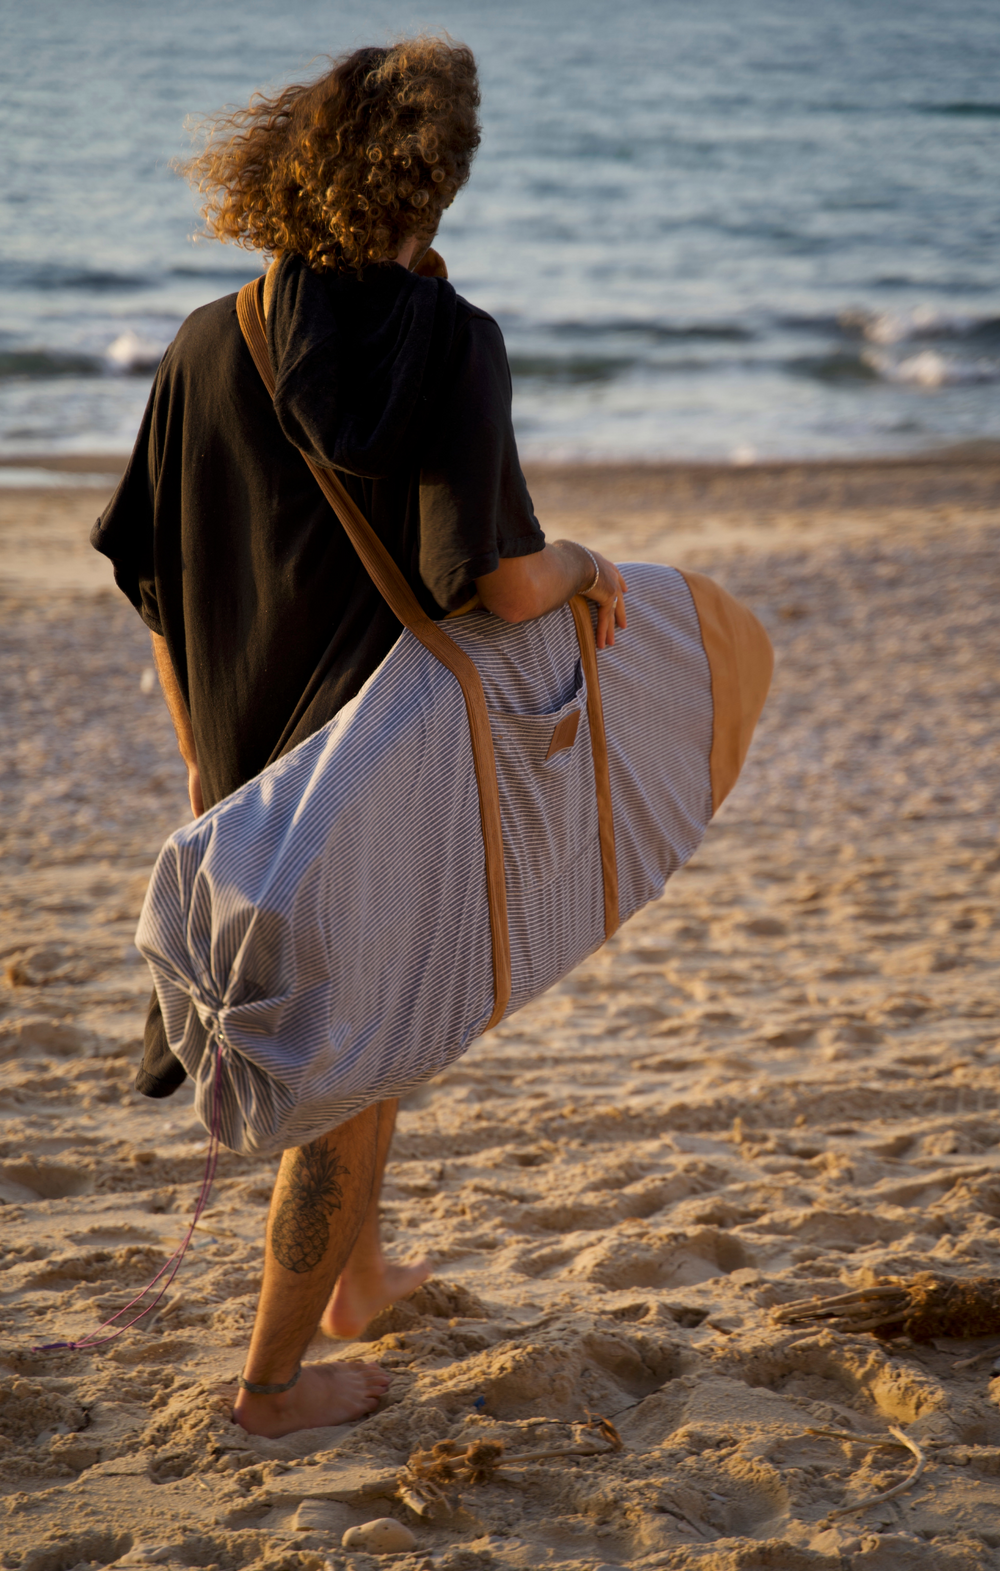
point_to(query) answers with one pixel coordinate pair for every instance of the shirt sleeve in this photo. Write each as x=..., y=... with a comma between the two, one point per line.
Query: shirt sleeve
x=125, y=530
x=474, y=502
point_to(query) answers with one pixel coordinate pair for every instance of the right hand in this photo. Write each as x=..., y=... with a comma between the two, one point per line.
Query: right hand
x=608, y=594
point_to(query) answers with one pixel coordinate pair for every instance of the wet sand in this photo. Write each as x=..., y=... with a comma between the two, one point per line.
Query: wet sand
x=781, y=1079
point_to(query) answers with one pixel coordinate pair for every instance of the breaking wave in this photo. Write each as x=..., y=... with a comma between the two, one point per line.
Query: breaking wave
x=914, y=323
x=931, y=369
x=130, y=354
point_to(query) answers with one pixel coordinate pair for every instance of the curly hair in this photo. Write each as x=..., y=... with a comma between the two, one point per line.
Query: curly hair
x=344, y=170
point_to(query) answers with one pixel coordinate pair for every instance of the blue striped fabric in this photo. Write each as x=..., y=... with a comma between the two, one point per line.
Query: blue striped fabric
x=328, y=922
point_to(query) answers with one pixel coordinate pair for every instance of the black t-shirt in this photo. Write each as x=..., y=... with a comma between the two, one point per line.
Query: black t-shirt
x=221, y=538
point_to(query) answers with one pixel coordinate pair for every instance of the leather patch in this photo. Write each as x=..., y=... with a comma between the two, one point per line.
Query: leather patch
x=564, y=734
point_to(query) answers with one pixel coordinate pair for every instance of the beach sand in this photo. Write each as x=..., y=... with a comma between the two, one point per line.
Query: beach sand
x=781, y=1079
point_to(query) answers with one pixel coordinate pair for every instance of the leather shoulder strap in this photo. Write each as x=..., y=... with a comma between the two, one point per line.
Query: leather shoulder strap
x=404, y=604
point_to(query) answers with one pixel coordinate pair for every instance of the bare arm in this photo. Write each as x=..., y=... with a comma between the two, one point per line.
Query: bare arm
x=528, y=586
x=182, y=720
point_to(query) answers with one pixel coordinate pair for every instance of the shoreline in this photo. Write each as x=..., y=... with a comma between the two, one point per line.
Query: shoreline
x=683, y=514
x=984, y=451
x=622, y=507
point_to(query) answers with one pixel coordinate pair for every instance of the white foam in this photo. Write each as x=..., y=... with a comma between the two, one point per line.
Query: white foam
x=930, y=369
x=16, y=476
x=130, y=351
x=896, y=327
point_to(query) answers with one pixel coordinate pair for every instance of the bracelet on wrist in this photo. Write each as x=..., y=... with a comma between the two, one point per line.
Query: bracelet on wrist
x=597, y=572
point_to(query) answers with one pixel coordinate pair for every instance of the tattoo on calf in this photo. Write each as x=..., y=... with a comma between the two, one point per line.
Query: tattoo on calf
x=300, y=1232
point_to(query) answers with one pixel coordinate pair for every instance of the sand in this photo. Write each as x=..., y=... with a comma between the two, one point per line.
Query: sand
x=781, y=1079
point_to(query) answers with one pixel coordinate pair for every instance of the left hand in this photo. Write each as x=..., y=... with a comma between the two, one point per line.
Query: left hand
x=609, y=595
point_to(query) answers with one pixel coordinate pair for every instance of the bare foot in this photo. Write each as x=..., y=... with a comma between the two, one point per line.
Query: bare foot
x=324, y=1395
x=360, y=1294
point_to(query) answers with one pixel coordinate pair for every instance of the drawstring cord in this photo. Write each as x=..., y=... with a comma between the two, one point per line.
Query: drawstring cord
x=173, y=1265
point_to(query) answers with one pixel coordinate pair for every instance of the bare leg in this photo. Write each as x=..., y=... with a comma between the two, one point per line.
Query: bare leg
x=368, y=1281
x=318, y=1207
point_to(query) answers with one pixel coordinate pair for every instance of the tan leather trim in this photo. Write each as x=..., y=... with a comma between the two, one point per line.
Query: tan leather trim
x=397, y=593
x=740, y=662
x=564, y=734
x=587, y=639
x=431, y=265
x=270, y=278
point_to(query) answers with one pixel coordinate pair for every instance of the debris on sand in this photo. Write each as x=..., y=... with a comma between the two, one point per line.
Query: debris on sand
x=928, y=1305
x=899, y=1438
x=384, y=1536
x=429, y=1482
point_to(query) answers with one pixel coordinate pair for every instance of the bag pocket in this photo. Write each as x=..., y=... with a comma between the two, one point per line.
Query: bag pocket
x=545, y=774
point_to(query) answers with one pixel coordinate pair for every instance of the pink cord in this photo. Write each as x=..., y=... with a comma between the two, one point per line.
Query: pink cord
x=173, y=1265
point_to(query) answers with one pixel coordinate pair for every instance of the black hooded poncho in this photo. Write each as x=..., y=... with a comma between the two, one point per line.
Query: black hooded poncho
x=224, y=543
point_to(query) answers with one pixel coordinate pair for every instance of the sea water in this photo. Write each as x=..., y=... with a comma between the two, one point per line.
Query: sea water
x=728, y=229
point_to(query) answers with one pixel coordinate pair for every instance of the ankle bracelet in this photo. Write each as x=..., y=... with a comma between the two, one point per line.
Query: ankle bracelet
x=268, y=1390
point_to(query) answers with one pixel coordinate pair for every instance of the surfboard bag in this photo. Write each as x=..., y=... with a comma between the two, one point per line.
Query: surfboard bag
x=481, y=816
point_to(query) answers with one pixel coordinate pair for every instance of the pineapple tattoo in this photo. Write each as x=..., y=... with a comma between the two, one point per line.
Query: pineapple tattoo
x=300, y=1233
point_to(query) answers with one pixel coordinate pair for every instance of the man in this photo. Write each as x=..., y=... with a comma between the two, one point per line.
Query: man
x=264, y=623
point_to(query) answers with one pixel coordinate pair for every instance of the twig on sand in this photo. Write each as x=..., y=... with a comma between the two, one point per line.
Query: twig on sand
x=428, y=1483
x=977, y=1358
x=703, y=1529
x=855, y=1438
x=897, y=1489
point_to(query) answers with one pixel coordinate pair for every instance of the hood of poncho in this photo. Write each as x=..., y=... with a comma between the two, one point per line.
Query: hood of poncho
x=356, y=361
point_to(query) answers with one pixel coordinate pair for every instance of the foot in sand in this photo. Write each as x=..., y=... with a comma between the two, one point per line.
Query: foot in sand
x=324, y=1395
x=361, y=1292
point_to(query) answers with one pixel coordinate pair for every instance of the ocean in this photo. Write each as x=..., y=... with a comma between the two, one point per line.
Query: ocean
x=710, y=229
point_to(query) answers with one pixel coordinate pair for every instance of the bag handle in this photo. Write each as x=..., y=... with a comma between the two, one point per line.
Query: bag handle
x=585, y=637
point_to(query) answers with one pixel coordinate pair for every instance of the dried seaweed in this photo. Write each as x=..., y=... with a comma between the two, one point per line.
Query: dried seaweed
x=429, y=1483
x=922, y=1307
